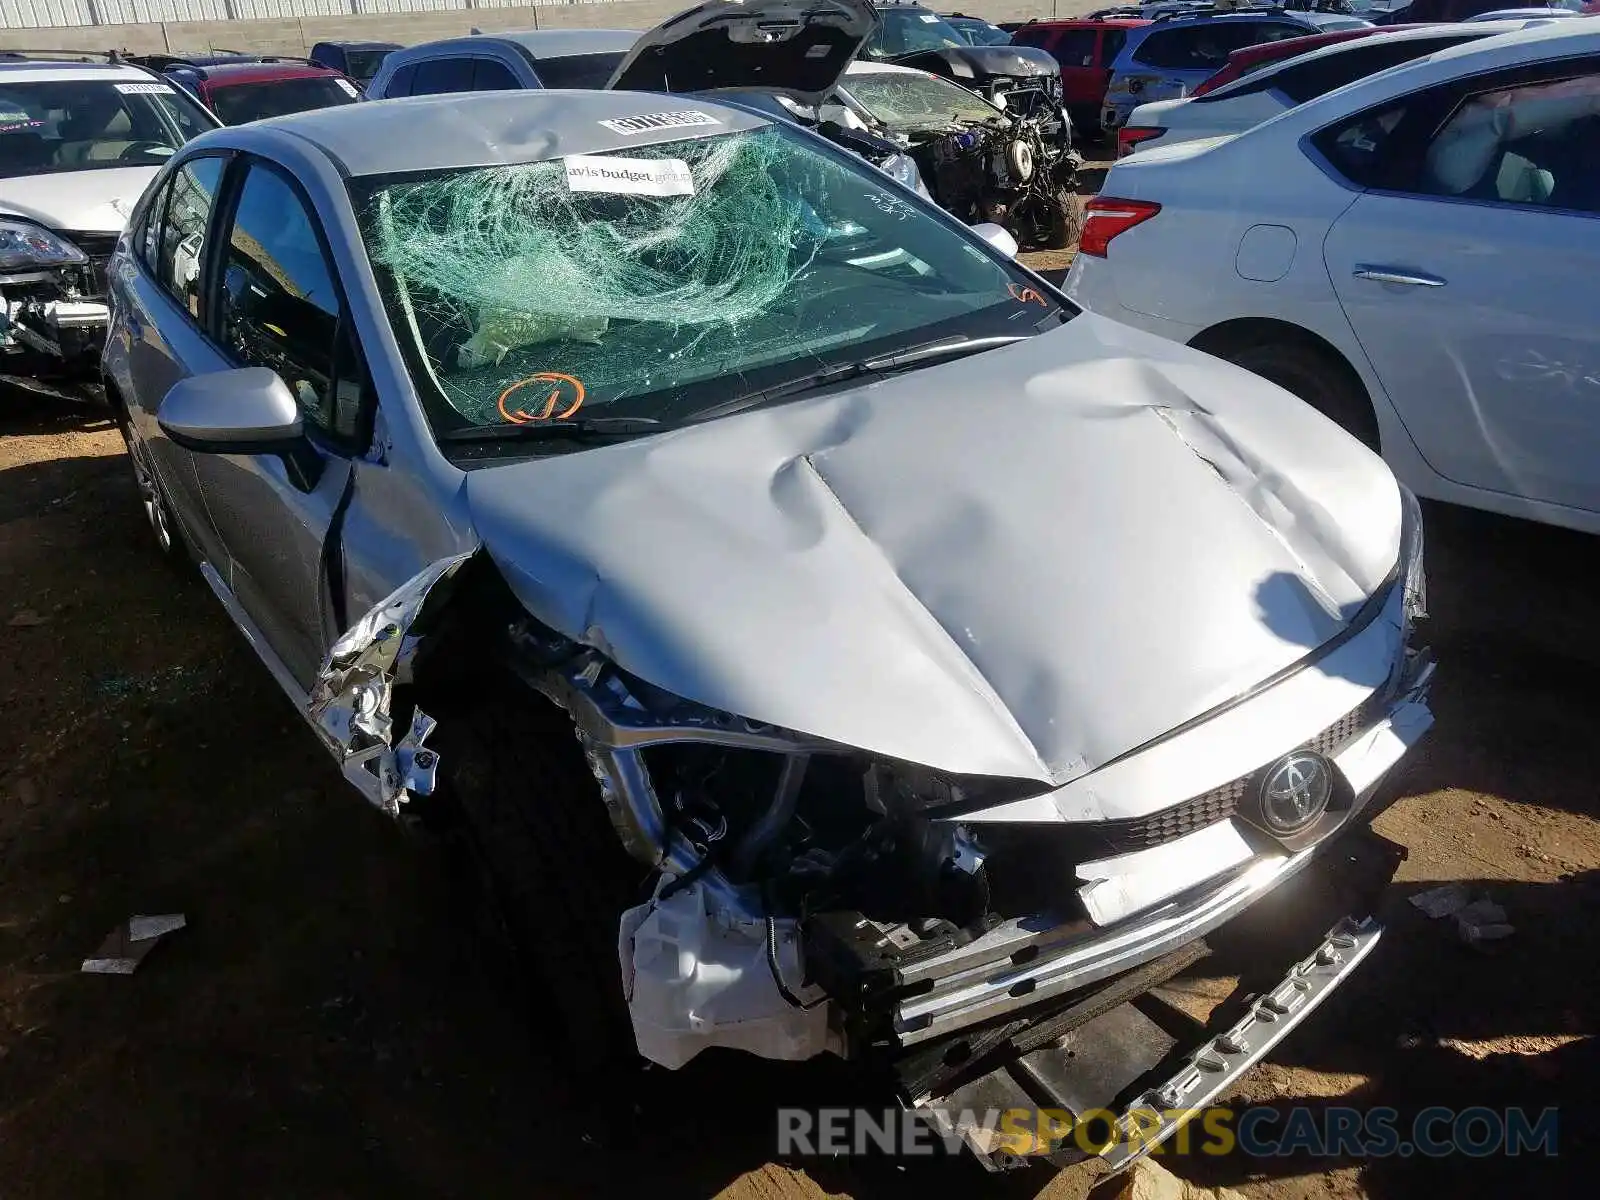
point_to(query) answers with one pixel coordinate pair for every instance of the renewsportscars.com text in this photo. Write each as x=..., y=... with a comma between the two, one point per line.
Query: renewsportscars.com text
x=1333, y=1132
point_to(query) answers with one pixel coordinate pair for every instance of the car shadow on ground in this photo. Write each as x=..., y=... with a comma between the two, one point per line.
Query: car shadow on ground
x=24, y=412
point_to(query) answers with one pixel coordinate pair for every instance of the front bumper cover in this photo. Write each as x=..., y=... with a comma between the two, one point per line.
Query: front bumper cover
x=1117, y=1084
x=1026, y=961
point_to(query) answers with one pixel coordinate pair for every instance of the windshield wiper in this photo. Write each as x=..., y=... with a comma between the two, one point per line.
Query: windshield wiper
x=582, y=429
x=949, y=348
x=912, y=355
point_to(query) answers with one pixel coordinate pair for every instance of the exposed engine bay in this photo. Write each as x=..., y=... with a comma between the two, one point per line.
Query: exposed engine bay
x=1010, y=172
x=53, y=314
x=1009, y=168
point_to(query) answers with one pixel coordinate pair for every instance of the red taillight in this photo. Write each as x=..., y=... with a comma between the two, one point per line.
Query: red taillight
x=1106, y=217
x=1129, y=137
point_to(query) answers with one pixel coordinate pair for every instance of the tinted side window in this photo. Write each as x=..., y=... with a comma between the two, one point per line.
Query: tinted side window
x=437, y=76
x=1166, y=48
x=1532, y=144
x=1206, y=45
x=1075, y=48
x=1111, y=43
x=183, y=225
x=1362, y=147
x=401, y=81
x=279, y=307
x=578, y=70
x=491, y=76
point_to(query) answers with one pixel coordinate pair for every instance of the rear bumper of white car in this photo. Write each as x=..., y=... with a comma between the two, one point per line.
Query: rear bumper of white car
x=1091, y=283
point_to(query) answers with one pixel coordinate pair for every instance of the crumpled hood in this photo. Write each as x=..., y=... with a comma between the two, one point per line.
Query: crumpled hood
x=85, y=201
x=1023, y=563
x=976, y=65
x=798, y=49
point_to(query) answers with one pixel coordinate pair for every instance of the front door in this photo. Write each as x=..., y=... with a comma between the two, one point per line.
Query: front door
x=1470, y=281
x=163, y=306
x=278, y=305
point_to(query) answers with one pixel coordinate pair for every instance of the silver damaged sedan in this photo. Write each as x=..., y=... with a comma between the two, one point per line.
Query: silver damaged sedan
x=829, y=638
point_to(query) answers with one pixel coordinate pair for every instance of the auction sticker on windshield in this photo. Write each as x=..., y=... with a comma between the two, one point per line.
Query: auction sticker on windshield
x=144, y=89
x=348, y=88
x=629, y=176
x=687, y=118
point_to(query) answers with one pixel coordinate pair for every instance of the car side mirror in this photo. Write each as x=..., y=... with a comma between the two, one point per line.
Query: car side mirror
x=998, y=237
x=245, y=411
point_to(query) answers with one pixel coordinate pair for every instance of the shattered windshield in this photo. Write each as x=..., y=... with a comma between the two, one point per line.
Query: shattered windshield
x=911, y=31
x=910, y=100
x=670, y=281
x=82, y=125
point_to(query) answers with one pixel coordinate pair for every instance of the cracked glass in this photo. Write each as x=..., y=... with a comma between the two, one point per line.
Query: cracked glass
x=669, y=281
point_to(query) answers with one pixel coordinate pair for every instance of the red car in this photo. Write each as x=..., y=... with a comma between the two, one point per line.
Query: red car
x=1085, y=48
x=252, y=91
x=1253, y=58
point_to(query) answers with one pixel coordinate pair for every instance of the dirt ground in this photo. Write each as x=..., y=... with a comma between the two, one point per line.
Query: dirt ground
x=325, y=1029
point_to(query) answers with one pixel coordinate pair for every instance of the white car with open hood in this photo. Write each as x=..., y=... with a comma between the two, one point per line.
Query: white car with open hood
x=832, y=638
x=79, y=142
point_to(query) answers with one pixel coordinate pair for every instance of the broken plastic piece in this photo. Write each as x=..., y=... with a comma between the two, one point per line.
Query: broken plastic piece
x=1474, y=935
x=1442, y=901
x=350, y=701
x=127, y=945
x=695, y=977
x=1482, y=912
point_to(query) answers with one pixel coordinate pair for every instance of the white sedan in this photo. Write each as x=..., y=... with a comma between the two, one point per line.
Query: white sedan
x=1415, y=255
x=1280, y=85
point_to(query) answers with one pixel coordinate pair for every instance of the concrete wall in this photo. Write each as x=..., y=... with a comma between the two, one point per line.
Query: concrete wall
x=295, y=35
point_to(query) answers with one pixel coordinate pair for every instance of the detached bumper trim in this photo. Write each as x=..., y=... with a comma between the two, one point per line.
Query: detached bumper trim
x=1212, y=1069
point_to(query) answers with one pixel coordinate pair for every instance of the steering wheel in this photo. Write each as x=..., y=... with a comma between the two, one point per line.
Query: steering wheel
x=150, y=148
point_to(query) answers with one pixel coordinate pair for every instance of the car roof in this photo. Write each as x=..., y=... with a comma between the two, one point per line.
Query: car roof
x=1088, y=23
x=1301, y=48
x=483, y=129
x=46, y=71
x=1544, y=42
x=1524, y=42
x=1186, y=20
x=540, y=43
x=359, y=45
x=1323, y=45
x=262, y=72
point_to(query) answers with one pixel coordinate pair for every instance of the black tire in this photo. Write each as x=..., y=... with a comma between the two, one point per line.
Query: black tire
x=1316, y=377
x=1066, y=209
x=552, y=867
x=165, y=529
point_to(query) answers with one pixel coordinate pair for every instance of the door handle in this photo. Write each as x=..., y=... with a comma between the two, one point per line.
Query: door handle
x=1398, y=275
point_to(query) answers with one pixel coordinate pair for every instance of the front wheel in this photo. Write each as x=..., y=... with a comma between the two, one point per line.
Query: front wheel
x=552, y=868
x=158, y=512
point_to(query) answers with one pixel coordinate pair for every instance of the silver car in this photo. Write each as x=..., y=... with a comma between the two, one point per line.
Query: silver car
x=830, y=638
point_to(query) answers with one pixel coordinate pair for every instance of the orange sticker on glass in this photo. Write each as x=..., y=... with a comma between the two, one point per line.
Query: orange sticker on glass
x=561, y=392
x=1025, y=295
